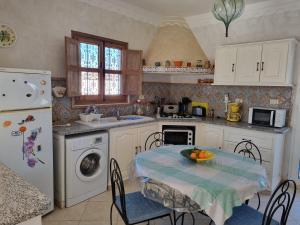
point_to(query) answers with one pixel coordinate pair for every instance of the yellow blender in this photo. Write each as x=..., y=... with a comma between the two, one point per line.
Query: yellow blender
x=234, y=114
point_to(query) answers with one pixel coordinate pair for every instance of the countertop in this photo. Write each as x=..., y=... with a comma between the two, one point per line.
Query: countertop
x=77, y=128
x=19, y=200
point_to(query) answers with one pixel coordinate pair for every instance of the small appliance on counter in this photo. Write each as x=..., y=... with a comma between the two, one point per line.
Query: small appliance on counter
x=184, y=105
x=196, y=111
x=170, y=109
x=267, y=117
x=233, y=114
x=172, y=112
x=199, y=111
x=179, y=134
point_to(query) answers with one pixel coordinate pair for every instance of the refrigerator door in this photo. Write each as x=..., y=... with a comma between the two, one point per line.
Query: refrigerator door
x=26, y=147
x=24, y=90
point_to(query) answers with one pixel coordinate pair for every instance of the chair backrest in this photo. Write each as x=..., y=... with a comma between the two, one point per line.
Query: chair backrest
x=155, y=139
x=117, y=186
x=281, y=201
x=248, y=149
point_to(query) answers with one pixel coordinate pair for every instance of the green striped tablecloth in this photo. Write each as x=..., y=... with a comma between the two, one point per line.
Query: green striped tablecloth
x=216, y=186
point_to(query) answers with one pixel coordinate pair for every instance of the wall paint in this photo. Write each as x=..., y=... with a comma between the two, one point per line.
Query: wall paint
x=41, y=26
x=269, y=20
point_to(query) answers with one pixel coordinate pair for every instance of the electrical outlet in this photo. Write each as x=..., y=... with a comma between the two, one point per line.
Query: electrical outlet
x=274, y=101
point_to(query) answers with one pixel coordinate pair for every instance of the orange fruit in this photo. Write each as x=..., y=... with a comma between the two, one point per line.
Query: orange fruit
x=202, y=155
x=193, y=155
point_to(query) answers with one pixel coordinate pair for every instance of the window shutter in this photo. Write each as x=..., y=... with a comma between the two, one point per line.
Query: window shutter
x=133, y=72
x=72, y=67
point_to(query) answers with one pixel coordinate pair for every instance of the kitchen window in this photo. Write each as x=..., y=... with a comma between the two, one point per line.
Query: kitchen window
x=101, y=70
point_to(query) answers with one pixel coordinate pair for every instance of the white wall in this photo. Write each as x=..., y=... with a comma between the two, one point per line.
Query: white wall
x=42, y=24
x=262, y=21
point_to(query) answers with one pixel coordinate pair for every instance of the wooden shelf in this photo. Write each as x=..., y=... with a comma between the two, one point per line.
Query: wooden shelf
x=176, y=70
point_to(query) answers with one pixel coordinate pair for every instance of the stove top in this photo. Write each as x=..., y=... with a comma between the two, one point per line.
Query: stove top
x=176, y=116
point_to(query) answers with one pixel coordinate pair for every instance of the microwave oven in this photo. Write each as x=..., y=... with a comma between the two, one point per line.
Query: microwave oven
x=267, y=117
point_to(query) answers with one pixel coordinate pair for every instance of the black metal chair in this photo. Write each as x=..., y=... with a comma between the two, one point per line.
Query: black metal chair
x=279, y=204
x=133, y=208
x=155, y=139
x=250, y=150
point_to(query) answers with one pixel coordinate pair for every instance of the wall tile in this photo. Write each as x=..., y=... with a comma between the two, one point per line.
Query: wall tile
x=214, y=95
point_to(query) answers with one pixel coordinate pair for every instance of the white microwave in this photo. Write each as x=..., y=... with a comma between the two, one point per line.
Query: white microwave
x=267, y=117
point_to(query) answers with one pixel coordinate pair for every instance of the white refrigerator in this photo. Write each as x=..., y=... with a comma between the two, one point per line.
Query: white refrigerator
x=26, y=126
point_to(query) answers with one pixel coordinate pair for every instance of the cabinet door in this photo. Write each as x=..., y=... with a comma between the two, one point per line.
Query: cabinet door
x=210, y=136
x=248, y=64
x=225, y=65
x=144, y=132
x=274, y=62
x=123, y=143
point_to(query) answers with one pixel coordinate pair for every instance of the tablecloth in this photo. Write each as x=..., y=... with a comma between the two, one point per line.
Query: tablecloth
x=217, y=186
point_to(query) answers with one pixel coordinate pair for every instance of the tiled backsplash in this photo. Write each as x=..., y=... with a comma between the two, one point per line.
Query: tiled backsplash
x=214, y=95
x=64, y=113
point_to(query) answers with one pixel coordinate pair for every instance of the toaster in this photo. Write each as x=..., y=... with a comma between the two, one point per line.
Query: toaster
x=170, y=109
x=198, y=111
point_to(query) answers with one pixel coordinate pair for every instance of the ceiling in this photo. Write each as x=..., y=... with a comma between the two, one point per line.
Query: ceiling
x=180, y=8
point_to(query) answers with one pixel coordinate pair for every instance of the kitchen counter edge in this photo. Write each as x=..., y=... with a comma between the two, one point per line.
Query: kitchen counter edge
x=77, y=128
x=19, y=200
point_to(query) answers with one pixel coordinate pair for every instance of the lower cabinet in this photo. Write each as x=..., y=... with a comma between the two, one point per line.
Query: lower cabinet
x=270, y=145
x=209, y=135
x=126, y=142
x=123, y=145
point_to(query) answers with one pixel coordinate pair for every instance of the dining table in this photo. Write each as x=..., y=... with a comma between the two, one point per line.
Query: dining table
x=213, y=187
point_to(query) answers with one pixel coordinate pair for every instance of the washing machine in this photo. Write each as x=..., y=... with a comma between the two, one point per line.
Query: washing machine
x=86, y=167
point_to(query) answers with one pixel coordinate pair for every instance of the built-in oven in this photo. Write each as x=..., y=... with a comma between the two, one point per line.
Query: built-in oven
x=178, y=135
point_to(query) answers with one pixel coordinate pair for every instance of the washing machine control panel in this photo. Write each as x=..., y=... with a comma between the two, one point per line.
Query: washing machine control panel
x=98, y=140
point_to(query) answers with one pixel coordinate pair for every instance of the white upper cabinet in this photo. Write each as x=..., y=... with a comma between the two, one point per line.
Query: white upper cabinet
x=274, y=62
x=226, y=61
x=256, y=64
x=248, y=64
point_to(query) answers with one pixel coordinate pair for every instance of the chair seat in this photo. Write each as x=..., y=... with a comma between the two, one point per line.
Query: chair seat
x=139, y=208
x=245, y=215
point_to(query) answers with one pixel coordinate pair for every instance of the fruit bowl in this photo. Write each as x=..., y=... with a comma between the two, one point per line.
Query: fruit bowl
x=198, y=155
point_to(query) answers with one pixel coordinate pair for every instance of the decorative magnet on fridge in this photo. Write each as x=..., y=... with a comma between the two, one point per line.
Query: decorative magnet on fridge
x=6, y=123
x=30, y=149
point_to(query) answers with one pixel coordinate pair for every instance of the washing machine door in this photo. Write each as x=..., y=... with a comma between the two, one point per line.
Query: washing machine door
x=90, y=164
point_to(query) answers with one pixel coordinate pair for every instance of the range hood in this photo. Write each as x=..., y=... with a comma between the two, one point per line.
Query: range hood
x=174, y=41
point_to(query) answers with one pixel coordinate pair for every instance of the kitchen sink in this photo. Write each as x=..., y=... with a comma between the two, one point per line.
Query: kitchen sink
x=114, y=121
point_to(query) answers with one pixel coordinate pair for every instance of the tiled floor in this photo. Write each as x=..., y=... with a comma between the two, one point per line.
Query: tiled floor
x=95, y=211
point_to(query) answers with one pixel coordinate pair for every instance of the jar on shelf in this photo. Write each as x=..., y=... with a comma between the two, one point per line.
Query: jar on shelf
x=199, y=63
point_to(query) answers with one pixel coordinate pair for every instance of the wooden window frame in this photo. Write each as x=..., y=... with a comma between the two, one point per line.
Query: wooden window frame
x=101, y=98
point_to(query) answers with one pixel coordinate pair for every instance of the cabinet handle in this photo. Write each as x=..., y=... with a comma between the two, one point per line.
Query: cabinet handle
x=257, y=66
x=262, y=66
x=140, y=147
x=232, y=67
x=136, y=150
x=244, y=139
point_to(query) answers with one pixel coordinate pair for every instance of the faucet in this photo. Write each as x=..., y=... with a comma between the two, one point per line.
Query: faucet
x=117, y=113
x=92, y=109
